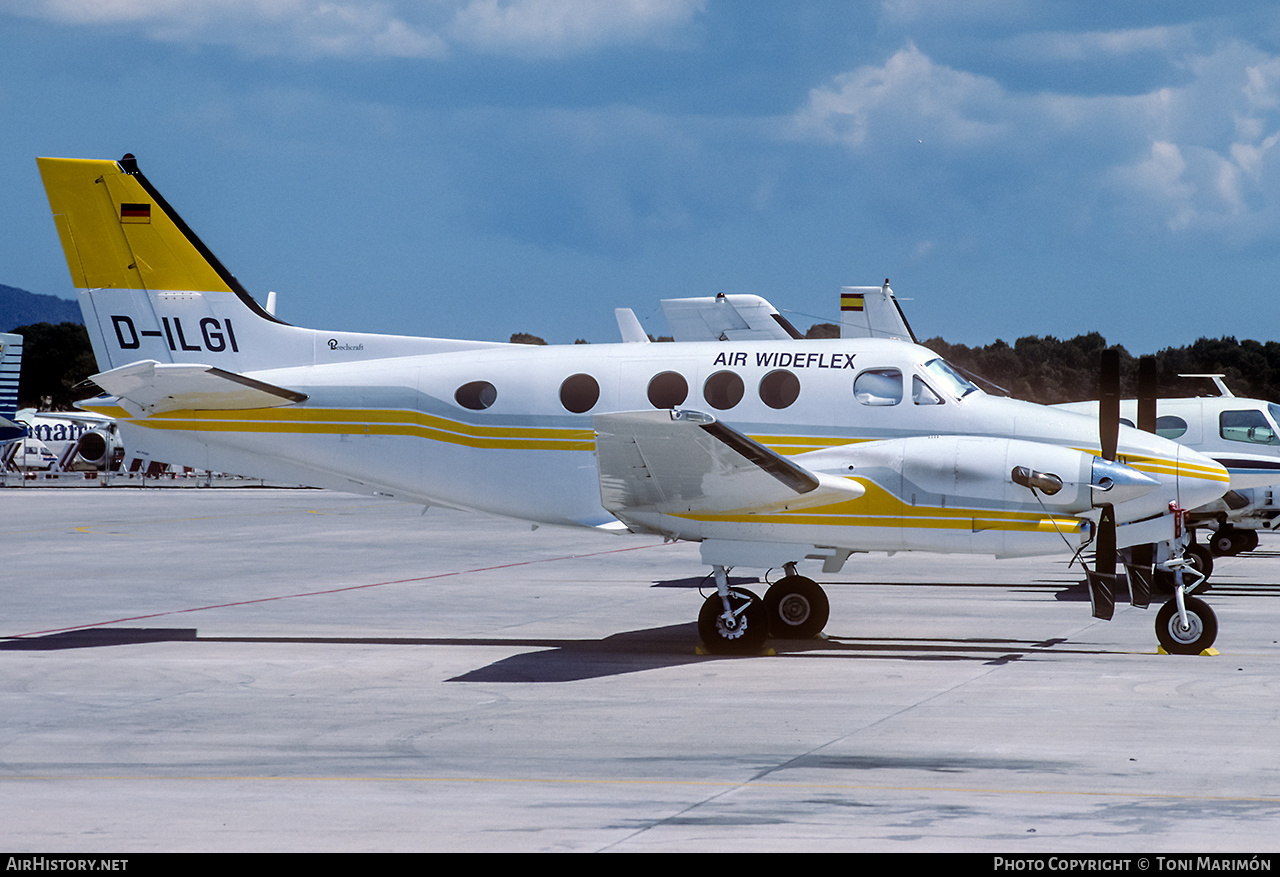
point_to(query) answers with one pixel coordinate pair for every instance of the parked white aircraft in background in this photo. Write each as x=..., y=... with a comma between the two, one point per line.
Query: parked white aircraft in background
x=1241, y=434
x=55, y=439
x=767, y=452
x=76, y=438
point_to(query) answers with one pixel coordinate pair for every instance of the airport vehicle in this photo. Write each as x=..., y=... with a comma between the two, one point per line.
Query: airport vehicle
x=767, y=452
x=29, y=453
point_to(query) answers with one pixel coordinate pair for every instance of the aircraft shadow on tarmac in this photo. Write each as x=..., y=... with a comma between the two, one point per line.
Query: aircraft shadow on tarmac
x=563, y=660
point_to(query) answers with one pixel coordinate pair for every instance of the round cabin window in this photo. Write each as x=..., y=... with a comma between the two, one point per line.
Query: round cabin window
x=779, y=389
x=723, y=390
x=667, y=390
x=477, y=395
x=579, y=393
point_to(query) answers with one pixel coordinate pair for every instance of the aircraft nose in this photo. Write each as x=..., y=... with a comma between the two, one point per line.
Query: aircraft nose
x=1200, y=479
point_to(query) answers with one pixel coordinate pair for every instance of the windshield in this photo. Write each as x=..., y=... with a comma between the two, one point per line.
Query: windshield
x=949, y=379
x=1249, y=426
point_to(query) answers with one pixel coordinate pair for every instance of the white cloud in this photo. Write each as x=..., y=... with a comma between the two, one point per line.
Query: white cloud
x=1092, y=46
x=908, y=99
x=1196, y=156
x=556, y=27
x=382, y=28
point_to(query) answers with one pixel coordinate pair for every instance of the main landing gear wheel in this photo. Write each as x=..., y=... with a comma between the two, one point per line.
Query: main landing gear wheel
x=798, y=608
x=1230, y=541
x=744, y=635
x=1192, y=640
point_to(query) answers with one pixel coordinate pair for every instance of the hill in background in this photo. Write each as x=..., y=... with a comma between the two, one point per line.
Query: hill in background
x=21, y=308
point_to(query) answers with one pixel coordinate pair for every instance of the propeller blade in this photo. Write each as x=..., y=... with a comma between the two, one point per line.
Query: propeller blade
x=1102, y=578
x=1140, y=573
x=1109, y=402
x=1147, y=394
x=1140, y=568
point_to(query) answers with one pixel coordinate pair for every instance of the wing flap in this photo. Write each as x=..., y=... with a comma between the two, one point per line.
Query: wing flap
x=150, y=387
x=676, y=462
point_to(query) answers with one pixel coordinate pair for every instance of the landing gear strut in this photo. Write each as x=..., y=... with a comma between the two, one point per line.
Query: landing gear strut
x=1186, y=625
x=733, y=621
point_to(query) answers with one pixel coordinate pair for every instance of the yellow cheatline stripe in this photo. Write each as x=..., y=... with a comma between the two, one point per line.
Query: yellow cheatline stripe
x=406, y=422
x=458, y=434
x=879, y=508
x=366, y=416
x=1165, y=466
x=114, y=411
x=337, y=421
x=790, y=445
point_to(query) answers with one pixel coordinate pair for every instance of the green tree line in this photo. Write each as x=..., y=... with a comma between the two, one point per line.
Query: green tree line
x=55, y=359
x=1043, y=369
x=1047, y=370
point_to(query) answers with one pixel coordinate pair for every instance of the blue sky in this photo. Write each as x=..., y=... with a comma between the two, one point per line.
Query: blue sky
x=473, y=168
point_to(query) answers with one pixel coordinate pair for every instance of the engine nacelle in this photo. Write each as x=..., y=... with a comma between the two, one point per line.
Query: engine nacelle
x=97, y=446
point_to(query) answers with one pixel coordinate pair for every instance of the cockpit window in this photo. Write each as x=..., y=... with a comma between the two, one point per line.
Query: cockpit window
x=949, y=379
x=1249, y=426
x=878, y=386
x=921, y=394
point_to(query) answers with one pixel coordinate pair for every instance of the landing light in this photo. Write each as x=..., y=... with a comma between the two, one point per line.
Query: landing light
x=1045, y=482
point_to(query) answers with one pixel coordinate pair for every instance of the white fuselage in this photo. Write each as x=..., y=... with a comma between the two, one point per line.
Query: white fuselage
x=396, y=426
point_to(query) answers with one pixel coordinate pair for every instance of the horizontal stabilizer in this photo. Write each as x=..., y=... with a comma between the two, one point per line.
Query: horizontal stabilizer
x=726, y=318
x=676, y=462
x=151, y=387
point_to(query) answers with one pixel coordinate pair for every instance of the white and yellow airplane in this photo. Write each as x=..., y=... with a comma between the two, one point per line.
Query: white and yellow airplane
x=767, y=451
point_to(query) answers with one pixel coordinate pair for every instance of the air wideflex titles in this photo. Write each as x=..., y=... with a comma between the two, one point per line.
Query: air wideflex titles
x=769, y=452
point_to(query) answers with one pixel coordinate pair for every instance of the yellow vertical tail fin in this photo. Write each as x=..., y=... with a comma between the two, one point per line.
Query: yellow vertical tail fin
x=118, y=233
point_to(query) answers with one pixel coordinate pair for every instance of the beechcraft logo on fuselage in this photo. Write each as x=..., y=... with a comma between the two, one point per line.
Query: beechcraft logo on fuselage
x=211, y=335
x=789, y=360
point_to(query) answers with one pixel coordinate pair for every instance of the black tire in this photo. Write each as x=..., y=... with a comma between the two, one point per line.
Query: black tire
x=746, y=637
x=798, y=608
x=1176, y=641
x=1248, y=540
x=1225, y=542
x=1201, y=559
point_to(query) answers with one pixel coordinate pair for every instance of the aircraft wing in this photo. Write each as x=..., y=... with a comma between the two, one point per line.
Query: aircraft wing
x=152, y=387
x=677, y=462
